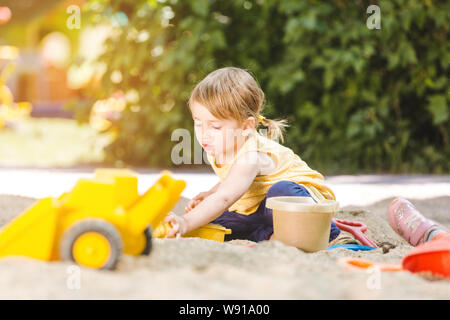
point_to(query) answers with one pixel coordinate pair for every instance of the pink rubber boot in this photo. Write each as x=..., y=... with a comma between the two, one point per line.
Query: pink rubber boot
x=408, y=222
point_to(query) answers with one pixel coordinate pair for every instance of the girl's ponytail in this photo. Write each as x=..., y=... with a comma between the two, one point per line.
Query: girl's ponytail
x=275, y=128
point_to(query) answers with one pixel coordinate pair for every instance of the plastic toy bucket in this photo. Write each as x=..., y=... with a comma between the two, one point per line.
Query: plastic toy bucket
x=210, y=231
x=302, y=223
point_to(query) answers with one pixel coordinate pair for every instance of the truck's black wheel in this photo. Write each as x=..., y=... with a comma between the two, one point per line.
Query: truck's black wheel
x=148, y=241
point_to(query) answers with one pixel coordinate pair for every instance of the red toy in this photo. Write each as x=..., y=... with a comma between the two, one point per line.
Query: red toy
x=357, y=229
x=432, y=256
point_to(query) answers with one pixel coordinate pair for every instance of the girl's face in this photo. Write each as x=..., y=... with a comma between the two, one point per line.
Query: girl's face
x=220, y=138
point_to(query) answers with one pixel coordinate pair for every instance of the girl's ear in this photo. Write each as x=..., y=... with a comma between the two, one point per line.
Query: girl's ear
x=249, y=126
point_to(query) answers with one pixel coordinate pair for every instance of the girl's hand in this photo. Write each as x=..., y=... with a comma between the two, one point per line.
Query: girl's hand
x=178, y=223
x=196, y=200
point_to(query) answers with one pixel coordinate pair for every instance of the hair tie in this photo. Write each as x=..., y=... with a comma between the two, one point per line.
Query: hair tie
x=261, y=118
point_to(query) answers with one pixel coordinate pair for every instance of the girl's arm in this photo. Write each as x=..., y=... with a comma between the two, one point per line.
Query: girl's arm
x=214, y=189
x=199, y=198
x=237, y=182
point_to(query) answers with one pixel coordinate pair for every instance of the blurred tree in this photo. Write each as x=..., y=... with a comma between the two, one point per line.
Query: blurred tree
x=357, y=99
x=25, y=10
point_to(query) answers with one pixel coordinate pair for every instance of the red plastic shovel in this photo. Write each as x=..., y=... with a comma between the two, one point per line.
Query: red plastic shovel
x=357, y=229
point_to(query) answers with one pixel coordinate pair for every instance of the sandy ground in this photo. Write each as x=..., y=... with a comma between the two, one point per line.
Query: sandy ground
x=192, y=268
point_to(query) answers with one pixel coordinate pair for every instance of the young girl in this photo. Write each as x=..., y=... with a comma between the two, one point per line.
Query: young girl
x=226, y=108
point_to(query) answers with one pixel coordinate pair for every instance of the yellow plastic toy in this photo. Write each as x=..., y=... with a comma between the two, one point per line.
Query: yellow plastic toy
x=210, y=231
x=95, y=222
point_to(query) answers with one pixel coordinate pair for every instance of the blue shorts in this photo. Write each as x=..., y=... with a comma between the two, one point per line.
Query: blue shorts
x=258, y=226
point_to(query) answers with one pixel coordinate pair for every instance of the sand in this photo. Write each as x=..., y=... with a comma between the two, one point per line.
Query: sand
x=192, y=268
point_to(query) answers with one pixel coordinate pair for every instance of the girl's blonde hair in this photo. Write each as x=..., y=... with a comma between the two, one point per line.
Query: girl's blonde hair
x=232, y=93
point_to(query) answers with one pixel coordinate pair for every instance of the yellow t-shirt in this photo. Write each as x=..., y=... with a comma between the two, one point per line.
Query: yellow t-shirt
x=289, y=167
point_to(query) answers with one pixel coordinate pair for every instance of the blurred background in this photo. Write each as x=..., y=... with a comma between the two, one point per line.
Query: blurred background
x=105, y=83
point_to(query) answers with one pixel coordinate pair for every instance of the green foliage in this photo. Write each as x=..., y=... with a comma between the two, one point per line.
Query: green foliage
x=357, y=99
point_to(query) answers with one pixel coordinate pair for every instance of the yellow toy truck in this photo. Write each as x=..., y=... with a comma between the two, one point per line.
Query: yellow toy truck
x=101, y=218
